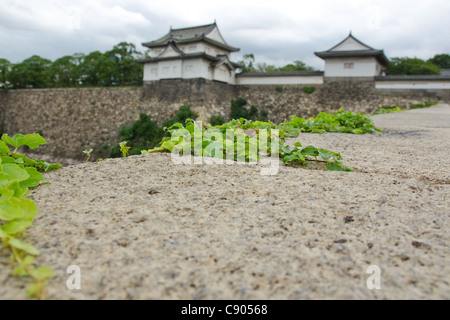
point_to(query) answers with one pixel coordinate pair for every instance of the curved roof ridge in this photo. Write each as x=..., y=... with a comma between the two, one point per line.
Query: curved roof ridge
x=195, y=27
x=174, y=46
x=369, y=51
x=191, y=34
x=351, y=36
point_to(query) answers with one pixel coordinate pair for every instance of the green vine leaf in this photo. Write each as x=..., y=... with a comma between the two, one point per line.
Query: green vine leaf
x=14, y=172
x=18, y=244
x=124, y=149
x=15, y=227
x=17, y=208
x=310, y=151
x=4, y=149
x=18, y=173
x=42, y=273
x=32, y=141
x=334, y=166
x=35, y=178
x=35, y=290
x=340, y=121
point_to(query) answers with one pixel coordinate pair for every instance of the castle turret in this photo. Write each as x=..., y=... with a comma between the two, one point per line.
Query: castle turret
x=189, y=53
x=352, y=58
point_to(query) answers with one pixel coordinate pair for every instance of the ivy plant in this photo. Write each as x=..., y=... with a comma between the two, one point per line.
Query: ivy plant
x=236, y=139
x=18, y=174
x=340, y=121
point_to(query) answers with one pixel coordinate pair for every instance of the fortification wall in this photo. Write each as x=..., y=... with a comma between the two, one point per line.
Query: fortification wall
x=281, y=102
x=204, y=96
x=73, y=120
x=402, y=97
x=357, y=95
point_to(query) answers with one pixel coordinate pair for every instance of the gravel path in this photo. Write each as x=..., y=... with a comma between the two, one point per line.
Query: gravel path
x=145, y=228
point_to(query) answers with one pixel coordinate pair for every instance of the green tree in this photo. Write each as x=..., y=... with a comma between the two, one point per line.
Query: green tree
x=248, y=61
x=264, y=67
x=113, y=68
x=441, y=60
x=62, y=72
x=77, y=72
x=5, y=69
x=411, y=66
x=95, y=70
x=250, y=66
x=125, y=70
x=31, y=73
x=296, y=66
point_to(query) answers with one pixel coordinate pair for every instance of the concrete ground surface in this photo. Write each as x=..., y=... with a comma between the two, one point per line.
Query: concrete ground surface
x=145, y=228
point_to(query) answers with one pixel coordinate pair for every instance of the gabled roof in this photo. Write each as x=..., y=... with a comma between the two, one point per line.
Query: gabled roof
x=172, y=47
x=358, y=49
x=351, y=39
x=215, y=61
x=179, y=54
x=191, y=34
x=223, y=59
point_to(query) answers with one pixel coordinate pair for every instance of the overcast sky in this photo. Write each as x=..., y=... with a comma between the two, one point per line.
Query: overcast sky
x=276, y=32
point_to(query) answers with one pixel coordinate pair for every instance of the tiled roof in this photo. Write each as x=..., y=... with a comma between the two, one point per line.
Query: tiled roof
x=183, y=34
x=369, y=52
x=224, y=59
x=215, y=60
x=281, y=74
x=379, y=54
x=187, y=35
x=412, y=77
x=350, y=36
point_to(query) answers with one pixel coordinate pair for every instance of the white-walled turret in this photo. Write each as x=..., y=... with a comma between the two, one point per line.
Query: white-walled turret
x=352, y=58
x=188, y=53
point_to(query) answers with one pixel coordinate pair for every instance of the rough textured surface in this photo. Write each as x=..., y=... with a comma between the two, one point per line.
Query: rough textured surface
x=144, y=228
x=73, y=120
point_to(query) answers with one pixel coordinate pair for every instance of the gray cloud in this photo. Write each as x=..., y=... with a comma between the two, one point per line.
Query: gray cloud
x=277, y=32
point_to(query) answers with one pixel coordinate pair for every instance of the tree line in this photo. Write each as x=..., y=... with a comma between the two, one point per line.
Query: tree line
x=397, y=66
x=116, y=67
x=249, y=65
x=416, y=66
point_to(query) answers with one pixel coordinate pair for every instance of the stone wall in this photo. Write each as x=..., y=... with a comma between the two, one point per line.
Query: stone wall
x=281, y=102
x=354, y=94
x=73, y=120
x=403, y=97
x=204, y=96
x=357, y=95
x=3, y=108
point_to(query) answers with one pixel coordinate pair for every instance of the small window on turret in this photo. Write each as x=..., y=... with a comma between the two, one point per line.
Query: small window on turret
x=348, y=65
